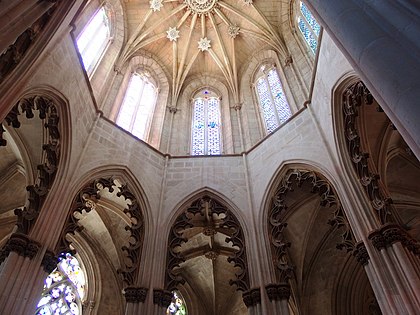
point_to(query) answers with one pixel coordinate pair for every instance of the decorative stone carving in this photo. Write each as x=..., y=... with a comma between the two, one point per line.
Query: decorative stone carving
x=172, y=34
x=204, y=44
x=201, y=6
x=49, y=262
x=393, y=233
x=16, y=52
x=277, y=292
x=361, y=253
x=86, y=201
x=252, y=297
x=135, y=294
x=21, y=244
x=354, y=97
x=162, y=298
x=279, y=245
x=47, y=170
x=156, y=5
x=228, y=223
x=233, y=30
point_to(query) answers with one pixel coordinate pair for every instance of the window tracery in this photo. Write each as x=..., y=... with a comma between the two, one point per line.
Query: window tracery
x=177, y=306
x=272, y=99
x=138, y=105
x=94, y=39
x=308, y=26
x=206, y=133
x=64, y=289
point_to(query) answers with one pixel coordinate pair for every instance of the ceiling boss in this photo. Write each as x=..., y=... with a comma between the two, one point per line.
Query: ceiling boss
x=201, y=6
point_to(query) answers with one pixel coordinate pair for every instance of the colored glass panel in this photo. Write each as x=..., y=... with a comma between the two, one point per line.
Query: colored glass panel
x=266, y=105
x=177, y=306
x=282, y=107
x=64, y=289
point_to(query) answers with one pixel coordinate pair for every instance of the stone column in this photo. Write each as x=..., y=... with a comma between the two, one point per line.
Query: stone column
x=135, y=298
x=381, y=41
x=252, y=300
x=22, y=272
x=279, y=295
x=161, y=301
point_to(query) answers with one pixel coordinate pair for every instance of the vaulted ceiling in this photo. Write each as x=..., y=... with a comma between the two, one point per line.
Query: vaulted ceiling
x=191, y=37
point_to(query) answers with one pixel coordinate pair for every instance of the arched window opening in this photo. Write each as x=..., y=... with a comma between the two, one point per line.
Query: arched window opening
x=272, y=100
x=94, y=39
x=138, y=105
x=177, y=306
x=206, y=133
x=308, y=26
x=64, y=289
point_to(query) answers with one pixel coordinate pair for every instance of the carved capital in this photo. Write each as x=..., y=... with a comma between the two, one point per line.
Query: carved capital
x=172, y=109
x=390, y=234
x=288, y=61
x=252, y=297
x=49, y=262
x=22, y=245
x=135, y=294
x=277, y=292
x=162, y=297
x=361, y=253
x=237, y=106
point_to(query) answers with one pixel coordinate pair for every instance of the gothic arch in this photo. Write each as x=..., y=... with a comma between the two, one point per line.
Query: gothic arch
x=112, y=198
x=366, y=160
x=205, y=213
x=283, y=211
x=53, y=128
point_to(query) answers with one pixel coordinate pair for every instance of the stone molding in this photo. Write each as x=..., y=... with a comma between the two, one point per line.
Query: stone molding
x=361, y=253
x=86, y=200
x=49, y=261
x=236, y=237
x=390, y=234
x=353, y=98
x=47, y=170
x=292, y=180
x=252, y=297
x=277, y=292
x=135, y=294
x=162, y=298
x=22, y=245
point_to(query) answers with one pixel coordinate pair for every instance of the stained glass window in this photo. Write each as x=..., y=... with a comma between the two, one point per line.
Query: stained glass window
x=94, y=39
x=64, y=289
x=138, y=105
x=177, y=306
x=274, y=107
x=308, y=26
x=206, y=125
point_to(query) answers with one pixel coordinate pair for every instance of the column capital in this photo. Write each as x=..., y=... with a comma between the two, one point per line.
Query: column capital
x=135, y=294
x=162, y=297
x=20, y=244
x=49, y=261
x=392, y=233
x=172, y=109
x=252, y=297
x=277, y=292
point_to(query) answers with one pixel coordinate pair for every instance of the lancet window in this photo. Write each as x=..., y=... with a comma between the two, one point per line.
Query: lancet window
x=308, y=26
x=138, y=105
x=206, y=124
x=94, y=39
x=64, y=289
x=177, y=306
x=274, y=107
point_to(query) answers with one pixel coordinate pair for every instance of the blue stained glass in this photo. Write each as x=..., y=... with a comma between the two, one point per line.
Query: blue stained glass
x=206, y=127
x=309, y=17
x=307, y=34
x=177, y=306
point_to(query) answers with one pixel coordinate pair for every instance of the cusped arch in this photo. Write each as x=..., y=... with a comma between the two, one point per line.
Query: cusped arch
x=202, y=203
x=120, y=182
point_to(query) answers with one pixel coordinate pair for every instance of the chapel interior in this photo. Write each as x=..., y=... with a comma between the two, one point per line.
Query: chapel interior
x=209, y=157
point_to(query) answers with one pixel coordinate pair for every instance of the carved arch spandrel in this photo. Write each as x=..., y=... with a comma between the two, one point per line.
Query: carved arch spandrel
x=227, y=224
x=276, y=218
x=86, y=200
